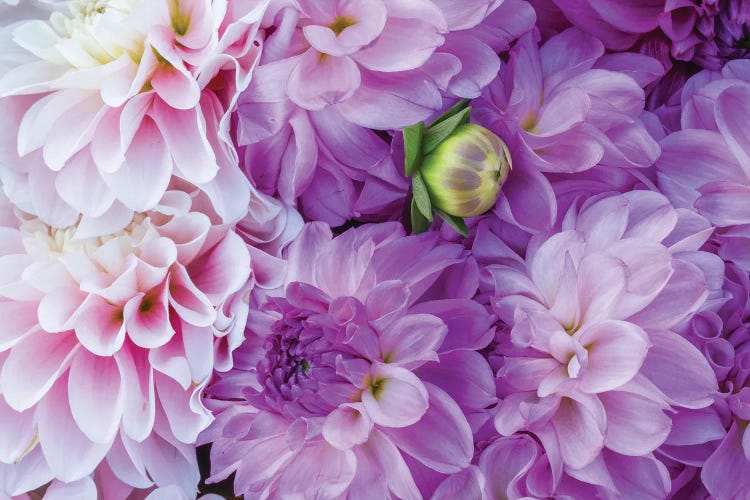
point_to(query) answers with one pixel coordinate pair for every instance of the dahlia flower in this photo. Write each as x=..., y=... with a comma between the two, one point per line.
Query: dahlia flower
x=708, y=32
x=705, y=32
x=706, y=165
x=565, y=107
x=331, y=71
x=591, y=364
x=124, y=331
x=115, y=97
x=619, y=25
x=347, y=375
x=707, y=448
x=517, y=467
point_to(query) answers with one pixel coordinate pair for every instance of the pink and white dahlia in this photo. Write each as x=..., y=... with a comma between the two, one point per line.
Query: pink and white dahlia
x=592, y=364
x=345, y=379
x=115, y=97
x=330, y=71
x=706, y=165
x=565, y=107
x=123, y=332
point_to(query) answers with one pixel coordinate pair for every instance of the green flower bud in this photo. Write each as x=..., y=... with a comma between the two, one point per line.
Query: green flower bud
x=465, y=172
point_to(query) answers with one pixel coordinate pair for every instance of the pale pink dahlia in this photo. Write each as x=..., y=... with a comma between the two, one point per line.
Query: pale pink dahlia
x=123, y=331
x=592, y=364
x=363, y=377
x=115, y=97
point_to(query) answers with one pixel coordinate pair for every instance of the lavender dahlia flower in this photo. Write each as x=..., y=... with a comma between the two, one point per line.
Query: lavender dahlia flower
x=706, y=165
x=592, y=366
x=331, y=71
x=565, y=107
x=346, y=379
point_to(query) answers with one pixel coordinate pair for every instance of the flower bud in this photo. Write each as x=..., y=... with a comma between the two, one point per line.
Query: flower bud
x=465, y=172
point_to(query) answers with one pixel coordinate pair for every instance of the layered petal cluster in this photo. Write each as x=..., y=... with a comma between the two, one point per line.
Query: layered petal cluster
x=331, y=71
x=592, y=363
x=112, y=99
x=109, y=341
x=709, y=446
x=566, y=107
x=347, y=378
x=706, y=165
x=705, y=32
x=518, y=467
x=708, y=33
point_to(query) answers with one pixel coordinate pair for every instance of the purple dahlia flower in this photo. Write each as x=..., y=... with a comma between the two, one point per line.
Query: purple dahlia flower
x=565, y=107
x=332, y=71
x=592, y=364
x=345, y=379
x=706, y=165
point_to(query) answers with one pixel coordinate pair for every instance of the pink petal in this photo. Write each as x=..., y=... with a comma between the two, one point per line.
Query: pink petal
x=505, y=462
x=380, y=454
x=318, y=471
x=679, y=370
x=449, y=454
x=389, y=54
x=184, y=133
x=395, y=397
x=617, y=350
x=412, y=338
x=469, y=483
x=578, y=432
x=96, y=399
x=142, y=180
x=139, y=404
x=188, y=301
x=101, y=327
x=19, y=318
x=318, y=81
x=635, y=425
x=61, y=438
x=186, y=415
x=17, y=434
x=347, y=426
x=724, y=203
x=726, y=473
x=465, y=376
x=731, y=108
x=49, y=353
x=223, y=270
x=57, y=310
x=148, y=324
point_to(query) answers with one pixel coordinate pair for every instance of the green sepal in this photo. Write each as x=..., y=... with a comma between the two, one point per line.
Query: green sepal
x=453, y=110
x=421, y=195
x=456, y=223
x=413, y=135
x=438, y=132
x=419, y=223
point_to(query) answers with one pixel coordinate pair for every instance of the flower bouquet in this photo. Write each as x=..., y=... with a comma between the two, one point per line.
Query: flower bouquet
x=374, y=249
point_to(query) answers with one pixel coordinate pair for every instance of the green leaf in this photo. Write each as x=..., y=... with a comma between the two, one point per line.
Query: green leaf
x=419, y=223
x=413, y=135
x=456, y=223
x=453, y=110
x=421, y=195
x=437, y=133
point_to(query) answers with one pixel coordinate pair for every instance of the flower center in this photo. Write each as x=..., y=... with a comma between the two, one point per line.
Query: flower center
x=101, y=43
x=341, y=23
x=46, y=242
